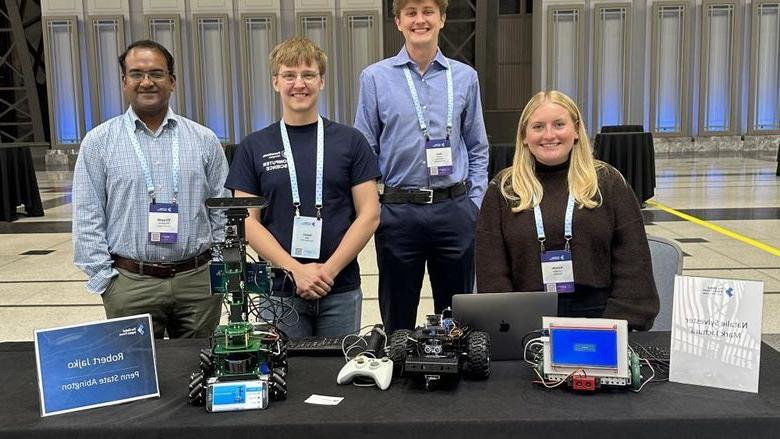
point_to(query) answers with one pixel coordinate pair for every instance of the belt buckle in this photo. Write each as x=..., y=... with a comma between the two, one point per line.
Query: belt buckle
x=171, y=270
x=430, y=195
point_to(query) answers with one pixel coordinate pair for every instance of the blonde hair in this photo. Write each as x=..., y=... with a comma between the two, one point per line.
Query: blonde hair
x=297, y=51
x=519, y=184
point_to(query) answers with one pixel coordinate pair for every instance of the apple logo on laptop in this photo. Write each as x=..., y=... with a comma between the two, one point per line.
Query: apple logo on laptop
x=503, y=326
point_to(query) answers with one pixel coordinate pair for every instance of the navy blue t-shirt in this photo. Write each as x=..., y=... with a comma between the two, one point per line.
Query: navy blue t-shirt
x=260, y=168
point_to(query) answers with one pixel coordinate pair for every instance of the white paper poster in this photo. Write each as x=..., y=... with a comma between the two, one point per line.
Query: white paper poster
x=716, y=332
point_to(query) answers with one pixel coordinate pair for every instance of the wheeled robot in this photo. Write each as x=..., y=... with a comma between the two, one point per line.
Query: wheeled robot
x=246, y=363
x=440, y=351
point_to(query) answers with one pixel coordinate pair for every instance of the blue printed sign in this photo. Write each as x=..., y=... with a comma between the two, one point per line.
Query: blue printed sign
x=96, y=364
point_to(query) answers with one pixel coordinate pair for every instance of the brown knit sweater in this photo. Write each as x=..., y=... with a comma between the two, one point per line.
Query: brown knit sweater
x=613, y=274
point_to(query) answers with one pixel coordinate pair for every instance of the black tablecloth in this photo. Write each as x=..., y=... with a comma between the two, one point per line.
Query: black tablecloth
x=622, y=128
x=18, y=184
x=633, y=155
x=508, y=405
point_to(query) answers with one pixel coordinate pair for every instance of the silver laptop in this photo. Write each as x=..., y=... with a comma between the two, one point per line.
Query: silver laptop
x=506, y=317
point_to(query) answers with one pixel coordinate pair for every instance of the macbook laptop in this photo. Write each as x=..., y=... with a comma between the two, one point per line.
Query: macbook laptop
x=506, y=317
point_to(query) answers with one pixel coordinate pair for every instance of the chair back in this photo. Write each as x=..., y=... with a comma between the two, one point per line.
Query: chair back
x=667, y=259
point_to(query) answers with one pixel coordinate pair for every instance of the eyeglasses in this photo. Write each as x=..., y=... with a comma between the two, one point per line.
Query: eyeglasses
x=154, y=75
x=290, y=77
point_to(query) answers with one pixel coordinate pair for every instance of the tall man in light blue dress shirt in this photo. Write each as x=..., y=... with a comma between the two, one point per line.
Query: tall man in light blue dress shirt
x=141, y=231
x=422, y=114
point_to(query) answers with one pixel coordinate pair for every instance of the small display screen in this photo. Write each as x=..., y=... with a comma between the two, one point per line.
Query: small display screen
x=584, y=347
x=235, y=394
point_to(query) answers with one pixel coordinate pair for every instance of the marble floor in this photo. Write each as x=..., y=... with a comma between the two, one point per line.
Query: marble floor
x=40, y=287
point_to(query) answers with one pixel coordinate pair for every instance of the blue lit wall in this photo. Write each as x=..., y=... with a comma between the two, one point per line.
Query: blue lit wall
x=65, y=91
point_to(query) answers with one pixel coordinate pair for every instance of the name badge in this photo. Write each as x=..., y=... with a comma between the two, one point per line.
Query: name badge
x=557, y=271
x=163, y=223
x=439, y=155
x=307, y=234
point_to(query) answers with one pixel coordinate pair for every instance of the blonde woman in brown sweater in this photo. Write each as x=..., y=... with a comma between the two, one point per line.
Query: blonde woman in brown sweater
x=600, y=263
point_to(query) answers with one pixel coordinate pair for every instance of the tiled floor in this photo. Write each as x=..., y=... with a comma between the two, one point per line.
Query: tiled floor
x=737, y=192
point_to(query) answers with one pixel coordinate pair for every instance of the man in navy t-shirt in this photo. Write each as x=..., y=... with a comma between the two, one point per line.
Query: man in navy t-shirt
x=323, y=209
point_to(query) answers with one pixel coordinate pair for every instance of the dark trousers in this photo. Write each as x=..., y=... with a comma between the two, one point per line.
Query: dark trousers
x=411, y=235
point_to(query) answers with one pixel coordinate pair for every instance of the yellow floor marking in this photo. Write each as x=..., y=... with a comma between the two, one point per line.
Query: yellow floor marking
x=716, y=228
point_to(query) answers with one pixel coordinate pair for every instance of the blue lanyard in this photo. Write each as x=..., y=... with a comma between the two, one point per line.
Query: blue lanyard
x=130, y=128
x=567, y=227
x=450, y=101
x=288, y=155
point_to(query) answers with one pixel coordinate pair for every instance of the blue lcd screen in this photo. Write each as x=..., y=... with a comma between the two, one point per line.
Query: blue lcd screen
x=584, y=347
x=235, y=394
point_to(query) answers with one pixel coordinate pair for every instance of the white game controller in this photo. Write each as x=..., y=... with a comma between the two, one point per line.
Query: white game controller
x=378, y=369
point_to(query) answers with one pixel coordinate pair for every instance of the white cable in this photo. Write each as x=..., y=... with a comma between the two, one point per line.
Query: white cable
x=525, y=349
x=360, y=338
x=649, y=379
x=549, y=386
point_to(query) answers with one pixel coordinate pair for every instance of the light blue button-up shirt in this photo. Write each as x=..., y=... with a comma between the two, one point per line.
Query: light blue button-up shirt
x=387, y=117
x=111, y=202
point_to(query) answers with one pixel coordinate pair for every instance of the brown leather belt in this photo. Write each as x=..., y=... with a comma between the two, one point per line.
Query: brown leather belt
x=160, y=269
x=394, y=195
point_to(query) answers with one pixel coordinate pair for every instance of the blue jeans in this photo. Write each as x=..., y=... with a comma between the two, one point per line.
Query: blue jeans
x=334, y=315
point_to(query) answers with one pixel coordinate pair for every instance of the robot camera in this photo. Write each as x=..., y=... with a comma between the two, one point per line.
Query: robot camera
x=236, y=203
